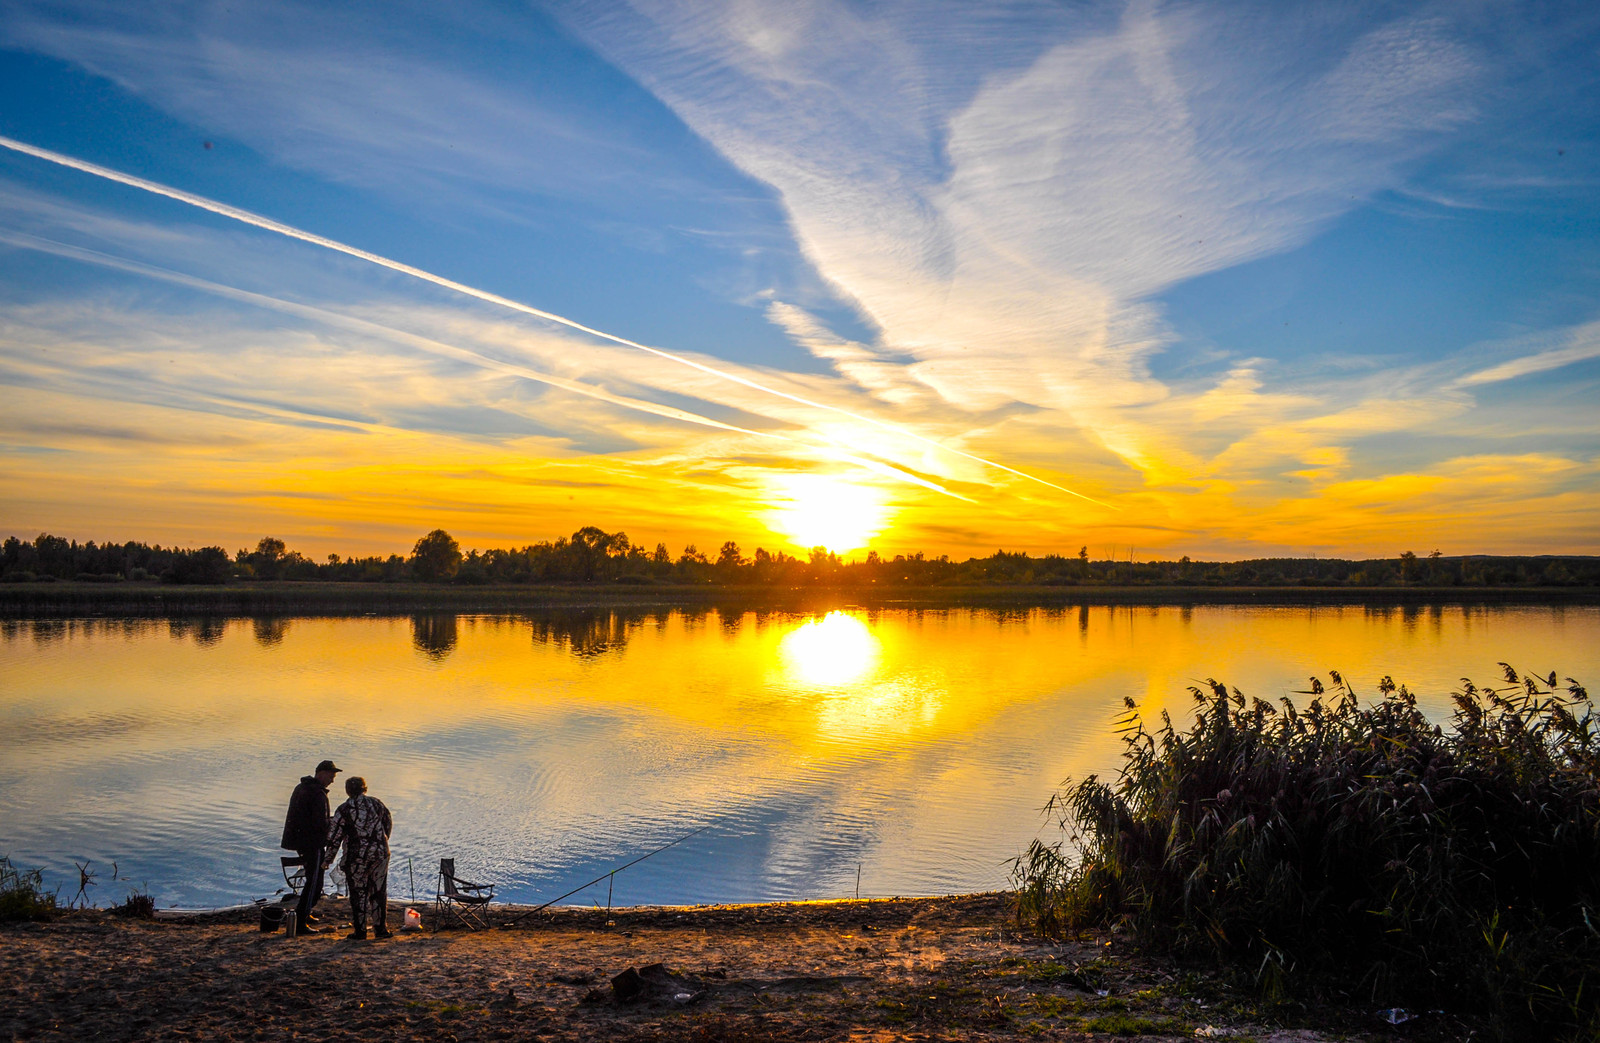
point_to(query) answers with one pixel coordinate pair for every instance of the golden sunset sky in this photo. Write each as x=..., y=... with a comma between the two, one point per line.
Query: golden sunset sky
x=1225, y=280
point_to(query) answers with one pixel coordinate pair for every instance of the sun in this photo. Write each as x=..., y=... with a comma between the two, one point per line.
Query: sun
x=816, y=510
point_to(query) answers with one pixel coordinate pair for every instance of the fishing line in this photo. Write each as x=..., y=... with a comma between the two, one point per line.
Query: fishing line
x=519, y=917
x=268, y=224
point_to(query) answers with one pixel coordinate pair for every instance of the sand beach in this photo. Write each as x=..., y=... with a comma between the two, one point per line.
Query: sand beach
x=926, y=969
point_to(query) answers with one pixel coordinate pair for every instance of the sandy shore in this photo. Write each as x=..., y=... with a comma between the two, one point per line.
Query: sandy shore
x=944, y=968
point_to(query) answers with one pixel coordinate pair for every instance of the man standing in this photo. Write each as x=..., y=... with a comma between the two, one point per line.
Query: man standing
x=305, y=832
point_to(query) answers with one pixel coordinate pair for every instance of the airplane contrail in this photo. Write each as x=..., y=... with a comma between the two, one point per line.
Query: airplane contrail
x=80, y=253
x=436, y=347
x=270, y=225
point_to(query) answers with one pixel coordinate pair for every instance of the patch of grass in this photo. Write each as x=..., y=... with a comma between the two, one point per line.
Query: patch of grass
x=1048, y=1006
x=1131, y=1025
x=942, y=1003
x=22, y=894
x=1089, y=976
x=1354, y=845
x=1051, y=1006
x=894, y=1012
x=138, y=906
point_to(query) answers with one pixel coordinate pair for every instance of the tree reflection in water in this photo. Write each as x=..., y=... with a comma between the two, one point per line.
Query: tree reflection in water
x=589, y=633
x=205, y=630
x=434, y=634
x=269, y=630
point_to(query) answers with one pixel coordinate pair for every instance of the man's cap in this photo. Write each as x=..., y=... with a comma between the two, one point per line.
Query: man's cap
x=328, y=766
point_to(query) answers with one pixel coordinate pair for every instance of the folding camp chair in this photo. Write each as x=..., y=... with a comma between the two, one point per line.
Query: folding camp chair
x=461, y=899
x=294, y=873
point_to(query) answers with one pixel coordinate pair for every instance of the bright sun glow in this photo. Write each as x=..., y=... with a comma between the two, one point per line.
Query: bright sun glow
x=835, y=650
x=816, y=510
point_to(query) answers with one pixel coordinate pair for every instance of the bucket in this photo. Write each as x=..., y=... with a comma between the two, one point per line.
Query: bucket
x=271, y=918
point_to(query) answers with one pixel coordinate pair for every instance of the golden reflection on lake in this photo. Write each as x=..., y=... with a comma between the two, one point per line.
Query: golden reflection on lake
x=540, y=750
x=837, y=649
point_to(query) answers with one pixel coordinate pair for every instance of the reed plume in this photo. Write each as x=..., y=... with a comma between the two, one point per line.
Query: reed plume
x=1353, y=846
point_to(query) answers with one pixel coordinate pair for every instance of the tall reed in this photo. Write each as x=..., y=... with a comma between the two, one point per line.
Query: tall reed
x=1353, y=846
x=22, y=893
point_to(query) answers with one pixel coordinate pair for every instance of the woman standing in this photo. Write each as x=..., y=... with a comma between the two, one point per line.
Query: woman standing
x=362, y=825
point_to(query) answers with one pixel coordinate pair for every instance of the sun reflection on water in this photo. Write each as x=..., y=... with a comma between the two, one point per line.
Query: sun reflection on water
x=836, y=650
x=920, y=742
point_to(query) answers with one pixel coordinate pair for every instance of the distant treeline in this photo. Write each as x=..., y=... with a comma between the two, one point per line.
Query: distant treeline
x=593, y=556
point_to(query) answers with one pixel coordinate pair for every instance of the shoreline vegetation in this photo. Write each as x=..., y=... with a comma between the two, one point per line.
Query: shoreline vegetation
x=1354, y=846
x=300, y=598
x=52, y=576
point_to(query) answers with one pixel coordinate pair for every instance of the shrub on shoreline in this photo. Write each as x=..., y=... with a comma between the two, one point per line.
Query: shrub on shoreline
x=139, y=905
x=22, y=894
x=1354, y=845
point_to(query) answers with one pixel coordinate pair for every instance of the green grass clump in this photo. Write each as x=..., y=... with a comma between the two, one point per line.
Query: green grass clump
x=1089, y=977
x=22, y=894
x=1355, y=845
x=138, y=906
x=1128, y=1025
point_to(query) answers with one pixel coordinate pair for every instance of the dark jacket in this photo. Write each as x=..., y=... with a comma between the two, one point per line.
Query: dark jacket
x=306, y=827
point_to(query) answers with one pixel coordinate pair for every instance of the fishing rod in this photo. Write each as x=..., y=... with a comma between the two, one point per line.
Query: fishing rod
x=519, y=917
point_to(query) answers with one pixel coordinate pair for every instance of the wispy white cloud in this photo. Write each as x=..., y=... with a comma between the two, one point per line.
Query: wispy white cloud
x=1002, y=192
x=1580, y=344
x=327, y=90
x=469, y=391
x=1006, y=235
x=1004, y=239
x=885, y=377
x=1400, y=79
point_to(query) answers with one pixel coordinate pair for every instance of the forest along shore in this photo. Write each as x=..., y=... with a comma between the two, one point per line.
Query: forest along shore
x=932, y=968
x=291, y=598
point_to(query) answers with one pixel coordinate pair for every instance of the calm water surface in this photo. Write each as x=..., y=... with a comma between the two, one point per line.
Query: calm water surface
x=541, y=750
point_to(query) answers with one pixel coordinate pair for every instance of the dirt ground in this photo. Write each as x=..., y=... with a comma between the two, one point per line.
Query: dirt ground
x=922, y=969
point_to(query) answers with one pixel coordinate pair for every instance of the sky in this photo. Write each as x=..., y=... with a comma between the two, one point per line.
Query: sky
x=1154, y=279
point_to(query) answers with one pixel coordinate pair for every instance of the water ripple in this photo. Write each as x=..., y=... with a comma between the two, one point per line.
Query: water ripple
x=541, y=752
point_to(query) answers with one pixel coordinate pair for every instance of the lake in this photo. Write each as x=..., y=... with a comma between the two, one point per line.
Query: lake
x=909, y=750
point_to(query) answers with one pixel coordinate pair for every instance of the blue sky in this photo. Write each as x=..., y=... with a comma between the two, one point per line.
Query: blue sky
x=1204, y=278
